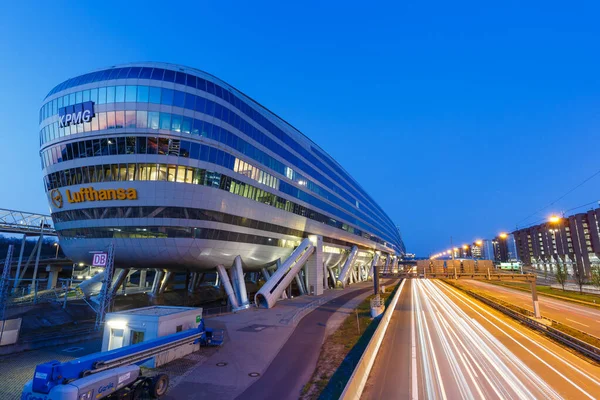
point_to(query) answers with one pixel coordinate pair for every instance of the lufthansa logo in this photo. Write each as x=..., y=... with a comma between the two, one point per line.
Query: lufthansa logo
x=57, y=198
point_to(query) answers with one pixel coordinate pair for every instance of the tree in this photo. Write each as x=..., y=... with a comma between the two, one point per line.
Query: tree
x=580, y=277
x=596, y=275
x=561, y=274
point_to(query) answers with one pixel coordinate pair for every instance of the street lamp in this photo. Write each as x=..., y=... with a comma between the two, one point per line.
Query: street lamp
x=555, y=220
x=57, y=245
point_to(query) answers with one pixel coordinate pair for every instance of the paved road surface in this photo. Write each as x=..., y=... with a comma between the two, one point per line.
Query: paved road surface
x=294, y=364
x=453, y=347
x=583, y=318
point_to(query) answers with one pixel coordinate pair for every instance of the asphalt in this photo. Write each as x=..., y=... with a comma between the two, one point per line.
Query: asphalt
x=455, y=347
x=294, y=364
x=581, y=317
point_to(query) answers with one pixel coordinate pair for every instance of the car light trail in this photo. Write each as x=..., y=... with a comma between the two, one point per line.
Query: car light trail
x=459, y=358
x=472, y=305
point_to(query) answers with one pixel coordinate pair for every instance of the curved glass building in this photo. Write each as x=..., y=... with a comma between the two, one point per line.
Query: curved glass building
x=181, y=170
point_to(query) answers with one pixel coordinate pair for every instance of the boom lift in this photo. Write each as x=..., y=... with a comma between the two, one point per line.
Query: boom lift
x=113, y=374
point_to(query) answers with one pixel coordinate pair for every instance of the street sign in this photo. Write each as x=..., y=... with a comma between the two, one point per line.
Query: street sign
x=99, y=260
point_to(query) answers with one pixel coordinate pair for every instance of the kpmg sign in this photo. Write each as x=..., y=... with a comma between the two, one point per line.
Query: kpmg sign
x=76, y=114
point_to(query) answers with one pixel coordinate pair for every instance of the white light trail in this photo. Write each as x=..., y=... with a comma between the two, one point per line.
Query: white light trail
x=466, y=360
x=473, y=305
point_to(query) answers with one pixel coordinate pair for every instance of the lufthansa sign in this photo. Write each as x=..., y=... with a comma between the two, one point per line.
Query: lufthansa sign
x=76, y=114
x=91, y=194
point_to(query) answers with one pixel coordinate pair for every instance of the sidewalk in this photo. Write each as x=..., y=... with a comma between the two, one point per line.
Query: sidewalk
x=253, y=339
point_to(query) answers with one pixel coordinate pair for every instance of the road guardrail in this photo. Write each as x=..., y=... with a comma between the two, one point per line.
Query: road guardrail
x=356, y=384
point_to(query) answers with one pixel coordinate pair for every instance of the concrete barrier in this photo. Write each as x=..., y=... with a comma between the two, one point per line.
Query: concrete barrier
x=356, y=384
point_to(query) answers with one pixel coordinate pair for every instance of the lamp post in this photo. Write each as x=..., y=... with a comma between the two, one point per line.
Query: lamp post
x=57, y=245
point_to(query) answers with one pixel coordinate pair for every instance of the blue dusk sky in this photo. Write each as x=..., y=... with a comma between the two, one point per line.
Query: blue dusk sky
x=459, y=118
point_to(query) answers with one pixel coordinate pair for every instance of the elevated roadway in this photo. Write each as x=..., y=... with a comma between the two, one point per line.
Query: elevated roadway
x=581, y=317
x=443, y=344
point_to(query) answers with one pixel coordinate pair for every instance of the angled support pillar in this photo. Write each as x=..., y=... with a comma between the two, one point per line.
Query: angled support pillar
x=158, y=276
x=374, y=263
x=227, y=286
x=347, y=266
x=266, y=273
x=119, y=280
x=165, y=282
x=333, y=277
x=192, y=281
x=143, y=273
x=239, y=283
x=271, y=291
x=300, y=283
x=386, y=269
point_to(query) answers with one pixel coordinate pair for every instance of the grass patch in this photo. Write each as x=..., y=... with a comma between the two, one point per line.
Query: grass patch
x=587, y=299
x=341, y=351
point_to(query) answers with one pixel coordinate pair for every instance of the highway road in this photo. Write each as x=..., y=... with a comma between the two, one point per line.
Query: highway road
x=442, y=344
x=584, y=318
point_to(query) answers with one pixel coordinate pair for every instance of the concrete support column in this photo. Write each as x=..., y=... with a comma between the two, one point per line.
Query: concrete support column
x=332, y=275
x=300, y=283
x=143, y=278
x=119, y=280
x=314, y=267
x=52, y=276
x=240, y=283
x=227, y=286
x=346, y=269
x=158, y=276
x=191, y=281
x=165, y=282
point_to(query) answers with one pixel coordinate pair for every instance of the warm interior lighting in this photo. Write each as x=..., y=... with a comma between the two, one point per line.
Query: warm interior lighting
x=117, y=323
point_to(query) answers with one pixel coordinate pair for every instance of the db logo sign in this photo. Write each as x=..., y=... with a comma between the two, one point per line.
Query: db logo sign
x=99, y=260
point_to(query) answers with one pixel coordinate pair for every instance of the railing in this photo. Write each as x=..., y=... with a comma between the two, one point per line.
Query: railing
x=13, y=221
x=358, y=380
x=298, y=315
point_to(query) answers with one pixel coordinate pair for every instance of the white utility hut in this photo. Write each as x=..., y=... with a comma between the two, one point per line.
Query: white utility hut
x=124, y=328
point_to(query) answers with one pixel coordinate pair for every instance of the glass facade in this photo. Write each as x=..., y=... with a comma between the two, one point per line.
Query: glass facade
x=184, y=213
x=177, y=173
x=171, y=103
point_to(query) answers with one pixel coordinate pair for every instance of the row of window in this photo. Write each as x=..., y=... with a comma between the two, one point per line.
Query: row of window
x=160, y=120
x=183, y=148
x=198, y=176
x=160, y=232
x=226, y=95
x=188, y=214
x=154, y=145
